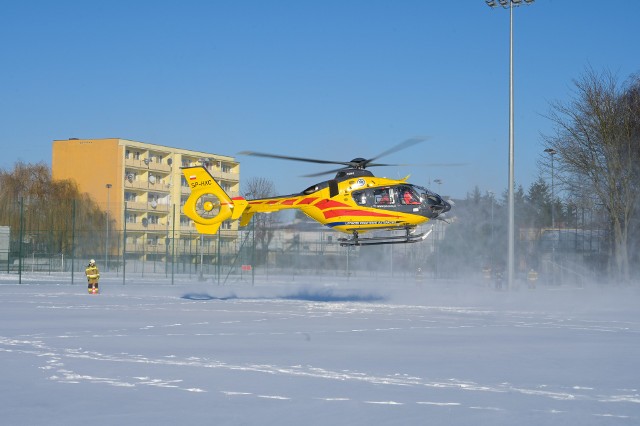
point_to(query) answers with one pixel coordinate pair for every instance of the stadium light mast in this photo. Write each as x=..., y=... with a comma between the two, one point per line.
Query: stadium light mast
x=551, y=153
x=510, y=4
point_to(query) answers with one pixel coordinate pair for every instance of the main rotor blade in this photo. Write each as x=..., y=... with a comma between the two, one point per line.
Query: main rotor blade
x=287, y=157
x=424, y=164
x=402, y=145
x=326, y=172
x=350, y=165
x=347, y=164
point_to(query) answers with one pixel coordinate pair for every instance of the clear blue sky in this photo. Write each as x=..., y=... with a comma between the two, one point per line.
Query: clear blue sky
x=326, y=79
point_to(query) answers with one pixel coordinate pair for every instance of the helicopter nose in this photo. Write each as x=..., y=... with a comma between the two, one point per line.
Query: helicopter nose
x=447, y=206
x=437, y=205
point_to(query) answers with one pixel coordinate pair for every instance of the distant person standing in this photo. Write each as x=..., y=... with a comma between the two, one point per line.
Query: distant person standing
x=93, y=275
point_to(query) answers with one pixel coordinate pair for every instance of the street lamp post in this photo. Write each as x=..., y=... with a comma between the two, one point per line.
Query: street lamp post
x=509, y=4
x=106, y=244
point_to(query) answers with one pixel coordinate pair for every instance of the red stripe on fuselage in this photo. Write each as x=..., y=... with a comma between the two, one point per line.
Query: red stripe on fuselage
x=307, y=200
x=363, y=213
x=328, y=204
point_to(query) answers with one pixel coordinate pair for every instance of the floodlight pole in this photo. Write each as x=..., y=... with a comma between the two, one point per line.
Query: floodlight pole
x=512, y=234
x=511, y=208
x=551, y=153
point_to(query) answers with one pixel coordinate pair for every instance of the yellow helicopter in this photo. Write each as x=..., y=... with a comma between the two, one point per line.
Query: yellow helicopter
x=353, y=202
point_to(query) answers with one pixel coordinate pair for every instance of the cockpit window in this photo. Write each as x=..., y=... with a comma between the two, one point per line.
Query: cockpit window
x=383, y=196
x=408, y=195
x=360, y=197
x=434, y=200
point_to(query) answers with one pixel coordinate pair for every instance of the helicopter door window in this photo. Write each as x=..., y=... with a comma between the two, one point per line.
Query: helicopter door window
x=407, y=196
x=383, y=196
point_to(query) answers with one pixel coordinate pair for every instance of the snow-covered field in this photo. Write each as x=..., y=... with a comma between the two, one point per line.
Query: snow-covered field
x=316, y=351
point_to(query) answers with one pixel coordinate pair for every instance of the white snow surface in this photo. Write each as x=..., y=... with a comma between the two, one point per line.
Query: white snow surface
x=316, y=351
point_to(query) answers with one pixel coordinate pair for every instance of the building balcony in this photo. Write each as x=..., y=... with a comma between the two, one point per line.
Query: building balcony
x=131, y=162
x=155, y=207
x=148, y=206
x=150, y=165
x=146, y=248
x=217, y=175
x=160, y=167
x=149, y=227
x=190, y=228
x=132, y=205
x=146, y=185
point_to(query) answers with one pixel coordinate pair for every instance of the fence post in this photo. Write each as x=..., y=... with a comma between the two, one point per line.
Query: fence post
x=73, y=238
x=173, y=243
x=124, y=245
x=20, y=242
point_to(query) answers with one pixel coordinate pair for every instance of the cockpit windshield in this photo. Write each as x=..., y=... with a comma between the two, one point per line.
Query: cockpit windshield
x=430, y=197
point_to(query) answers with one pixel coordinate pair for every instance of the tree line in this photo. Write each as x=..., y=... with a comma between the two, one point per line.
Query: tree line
x=597, y=140
x=591, y=158
x=52, y=216
x=592, y=154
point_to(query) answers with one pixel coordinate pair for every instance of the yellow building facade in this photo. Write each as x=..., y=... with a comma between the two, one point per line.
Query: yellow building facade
x=141, y=188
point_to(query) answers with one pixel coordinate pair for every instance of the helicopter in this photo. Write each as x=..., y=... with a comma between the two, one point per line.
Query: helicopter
x=354, y=202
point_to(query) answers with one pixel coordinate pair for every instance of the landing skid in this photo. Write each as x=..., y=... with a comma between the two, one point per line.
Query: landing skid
x=355, y=240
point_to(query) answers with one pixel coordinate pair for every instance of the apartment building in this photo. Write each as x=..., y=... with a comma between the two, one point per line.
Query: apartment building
x=141, y=188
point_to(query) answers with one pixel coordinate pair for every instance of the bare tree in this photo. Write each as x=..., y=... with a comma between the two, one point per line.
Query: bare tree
x=596, y=140
x=262, y=223
x=47, y=211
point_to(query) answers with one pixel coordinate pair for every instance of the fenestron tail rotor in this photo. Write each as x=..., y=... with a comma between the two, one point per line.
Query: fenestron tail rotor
x=208, y=206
